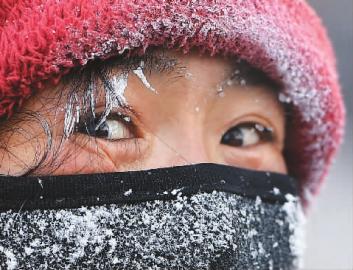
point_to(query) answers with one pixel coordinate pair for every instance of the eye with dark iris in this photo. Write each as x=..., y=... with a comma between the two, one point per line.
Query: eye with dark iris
x=114, y=127
x=247, y=134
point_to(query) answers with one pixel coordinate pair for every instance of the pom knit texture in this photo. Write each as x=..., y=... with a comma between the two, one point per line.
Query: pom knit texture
x=41, y=40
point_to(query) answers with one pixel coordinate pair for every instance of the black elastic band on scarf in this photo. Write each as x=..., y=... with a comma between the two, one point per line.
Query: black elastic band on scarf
x=58, y=192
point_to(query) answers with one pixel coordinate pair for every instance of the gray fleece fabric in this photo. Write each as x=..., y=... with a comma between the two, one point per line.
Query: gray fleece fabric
x=215, y=230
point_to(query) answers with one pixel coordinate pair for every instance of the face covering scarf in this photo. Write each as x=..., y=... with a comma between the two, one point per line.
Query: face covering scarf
x=203, y=216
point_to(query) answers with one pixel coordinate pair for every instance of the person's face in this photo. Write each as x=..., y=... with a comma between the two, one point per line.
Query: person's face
x=192, y=113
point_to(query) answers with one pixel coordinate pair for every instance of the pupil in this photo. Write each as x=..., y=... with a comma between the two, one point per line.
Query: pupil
x=102, y=131
x=233, y=137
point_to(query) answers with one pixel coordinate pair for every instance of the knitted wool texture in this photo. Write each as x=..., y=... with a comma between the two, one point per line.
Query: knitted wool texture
x=41, y=40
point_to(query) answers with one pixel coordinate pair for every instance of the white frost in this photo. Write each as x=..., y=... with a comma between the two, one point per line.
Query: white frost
x=127, y=193
x=119, y=84
x=139, y=73
x=10, y=258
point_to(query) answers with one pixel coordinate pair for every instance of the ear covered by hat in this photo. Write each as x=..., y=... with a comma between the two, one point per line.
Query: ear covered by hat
x=41, y=40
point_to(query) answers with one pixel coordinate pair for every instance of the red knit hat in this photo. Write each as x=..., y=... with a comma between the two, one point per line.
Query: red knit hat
x=41, y=40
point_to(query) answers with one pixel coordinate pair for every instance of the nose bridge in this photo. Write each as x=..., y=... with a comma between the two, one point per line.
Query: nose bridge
x=182, y=144
x=191, y=150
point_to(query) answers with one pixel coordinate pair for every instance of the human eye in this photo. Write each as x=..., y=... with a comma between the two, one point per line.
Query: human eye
x=102, y=143
x=114, y=127
x=247, y=134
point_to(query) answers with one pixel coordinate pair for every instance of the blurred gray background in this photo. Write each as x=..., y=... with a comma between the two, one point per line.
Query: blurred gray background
x=329, y=227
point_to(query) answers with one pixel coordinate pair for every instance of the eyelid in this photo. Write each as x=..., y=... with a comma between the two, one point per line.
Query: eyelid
x=127, y=148
x=118, y=113
x=123, y=110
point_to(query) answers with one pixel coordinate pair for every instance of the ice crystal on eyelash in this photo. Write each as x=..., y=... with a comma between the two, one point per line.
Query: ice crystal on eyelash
x=72, y=114
x=259, y=127
x=119, y=84
x=89, y=99
x=114, y=95
x=139, y=73
x=127, y=119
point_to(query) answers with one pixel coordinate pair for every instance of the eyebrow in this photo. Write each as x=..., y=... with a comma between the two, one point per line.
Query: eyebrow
x=161, y=63
x=150, y=62
x=252, y=76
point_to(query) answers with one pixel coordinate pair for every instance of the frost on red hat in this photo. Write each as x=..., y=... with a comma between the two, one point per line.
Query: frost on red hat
x=41, y=40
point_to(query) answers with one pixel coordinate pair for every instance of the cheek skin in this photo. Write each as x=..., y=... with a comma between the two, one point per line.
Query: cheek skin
x=261, y=158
